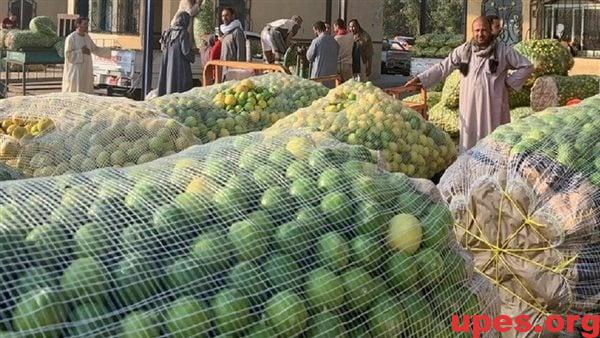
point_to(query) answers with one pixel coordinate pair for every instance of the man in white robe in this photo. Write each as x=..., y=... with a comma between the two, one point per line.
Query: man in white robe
x=484, y=84
x=78, y=74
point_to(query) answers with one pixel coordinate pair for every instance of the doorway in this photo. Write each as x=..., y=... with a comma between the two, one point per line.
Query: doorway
x=29, y=11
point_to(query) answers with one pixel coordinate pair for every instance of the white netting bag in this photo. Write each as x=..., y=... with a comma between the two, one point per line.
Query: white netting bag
x=526, y=202
x=60, y=133
x=238, y=107
x=290, y=234
x=360, y=113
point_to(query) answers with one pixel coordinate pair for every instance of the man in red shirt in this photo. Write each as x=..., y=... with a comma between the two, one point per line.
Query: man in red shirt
x=10, y=22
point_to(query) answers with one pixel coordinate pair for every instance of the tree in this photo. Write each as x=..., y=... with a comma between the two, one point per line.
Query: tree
x=403, y=17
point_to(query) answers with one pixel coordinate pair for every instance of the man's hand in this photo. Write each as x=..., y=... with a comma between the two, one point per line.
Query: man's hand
x=415, y=81
x=86, y=50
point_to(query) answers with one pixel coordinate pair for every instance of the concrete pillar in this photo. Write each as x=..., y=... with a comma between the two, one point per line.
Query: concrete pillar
x=473, y=11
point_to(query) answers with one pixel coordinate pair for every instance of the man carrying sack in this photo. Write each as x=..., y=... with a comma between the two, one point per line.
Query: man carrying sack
x=276, y=37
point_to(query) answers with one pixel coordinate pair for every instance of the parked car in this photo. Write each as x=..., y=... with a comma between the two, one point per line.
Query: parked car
x=396, y=56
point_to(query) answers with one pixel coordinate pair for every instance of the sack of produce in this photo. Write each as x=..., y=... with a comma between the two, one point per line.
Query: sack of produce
x=60, y=47
x=204, y=23
x=451, y=90
x=432, y=98
x=445, y=118
x=18, y=39
x=548, y=57
x=54, y=134
x=289, y=235
x=238, y=107
x=9, y=174
x=455, y=40
x=557, y=90
x=361, y=113
x=526, y=205
x=43, y=25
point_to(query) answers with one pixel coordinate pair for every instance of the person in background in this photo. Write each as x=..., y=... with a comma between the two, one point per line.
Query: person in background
x=10, y=22
x=233, y=40
x=345, y=40
x=78, y=74
x=362, y=51
x=327, y=28
x=322, y=53
x=277, y=36
x=496, y=24
x=176, y=69
x=485, y=82
x=215, y=47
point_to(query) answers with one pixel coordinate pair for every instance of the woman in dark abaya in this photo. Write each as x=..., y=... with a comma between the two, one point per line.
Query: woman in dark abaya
x=177, y=56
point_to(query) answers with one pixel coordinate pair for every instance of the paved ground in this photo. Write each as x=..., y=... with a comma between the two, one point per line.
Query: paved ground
x=44, y=83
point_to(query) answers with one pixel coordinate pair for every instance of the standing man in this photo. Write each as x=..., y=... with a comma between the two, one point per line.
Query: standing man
x=362, y=51
x=345, y=40
x=496, y=24
x=277, y=36
x=484, y=82
x=233, y=41
x=78, y=75
x=323, y=52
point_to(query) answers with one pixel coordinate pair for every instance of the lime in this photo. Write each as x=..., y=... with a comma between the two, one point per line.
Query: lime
x=248, y=279
x=293, y=237
x=430, y=265
x=40, y=310
x=305, y=191
x=283, y=272
x=367, y=252
x=140, y=324
x=324, y=290
x=231, y=311
x=404, y=233
x=371, y=218
x=136, y=279
x=212, y=250
x=359, y=289
x=248, y=240
x=402, y=272
x=187, y=317
x=387, y=317
x=90, y=320
x=332, y=180
x=185, y=276
x=333, y=251
x=326, y=325
x=286, y=314
x=278, y=202
x=337, y=208
x=84, y=279
x=436, y=226
x=48, y=244
x=297, y=170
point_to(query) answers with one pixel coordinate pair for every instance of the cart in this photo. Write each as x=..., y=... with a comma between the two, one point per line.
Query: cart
x=420, y=107
x=25, y=58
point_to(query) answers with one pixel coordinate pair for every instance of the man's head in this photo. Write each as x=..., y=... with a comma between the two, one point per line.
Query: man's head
x=298, y=19
x=227, y=15
x=319, y=27
x=354, y=26
x=339, y=24
x=496, y=24
x=12, y=16
x=482, y=31
x=327, y=28
x=81, y=25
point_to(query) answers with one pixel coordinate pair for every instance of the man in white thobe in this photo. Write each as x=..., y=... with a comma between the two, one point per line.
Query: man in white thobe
x=484, y=84
x=78, y=75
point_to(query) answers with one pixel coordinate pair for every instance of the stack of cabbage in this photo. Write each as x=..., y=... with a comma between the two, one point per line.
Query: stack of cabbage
x=436, y=45
x=526, y=202
x=204, y=24
x=360, y=113
x=41, y=34
x=238, y=107
x=288, y=236
x=548, y=56
x=60, y=133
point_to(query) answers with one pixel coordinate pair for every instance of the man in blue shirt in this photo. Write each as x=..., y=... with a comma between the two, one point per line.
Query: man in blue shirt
x=323, y=52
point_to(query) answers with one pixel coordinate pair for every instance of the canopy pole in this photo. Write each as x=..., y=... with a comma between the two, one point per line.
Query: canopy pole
x=148, y=47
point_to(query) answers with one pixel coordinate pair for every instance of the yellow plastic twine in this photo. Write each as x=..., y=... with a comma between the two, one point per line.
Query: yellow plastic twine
x=500, y=248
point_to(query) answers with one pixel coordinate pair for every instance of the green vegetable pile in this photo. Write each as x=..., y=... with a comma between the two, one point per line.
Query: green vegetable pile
x=436, y=45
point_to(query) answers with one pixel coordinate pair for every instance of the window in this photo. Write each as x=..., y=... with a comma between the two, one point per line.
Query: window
x=575, y=22
x=115, y=16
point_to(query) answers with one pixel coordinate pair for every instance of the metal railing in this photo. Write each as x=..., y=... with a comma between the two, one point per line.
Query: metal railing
x=574, y=22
